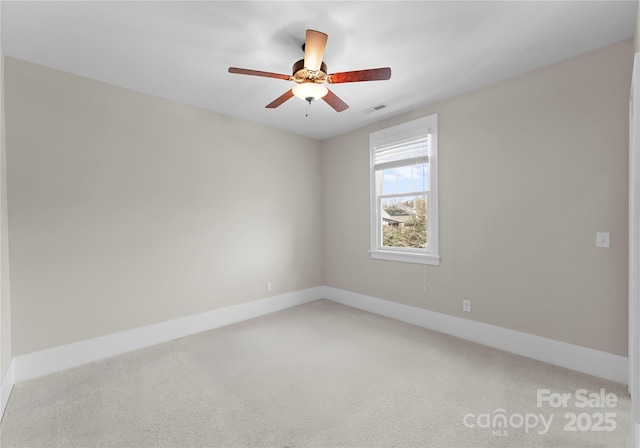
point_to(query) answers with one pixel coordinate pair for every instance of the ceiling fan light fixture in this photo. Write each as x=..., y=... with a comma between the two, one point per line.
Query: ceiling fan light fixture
x=309, y=91
x=310, y=73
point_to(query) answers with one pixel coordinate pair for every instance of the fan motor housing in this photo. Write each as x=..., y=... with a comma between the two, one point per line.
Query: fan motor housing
x=302, y=74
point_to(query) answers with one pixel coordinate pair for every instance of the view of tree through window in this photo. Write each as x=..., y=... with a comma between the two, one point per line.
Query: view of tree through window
x=404, y=206
x=405, y=222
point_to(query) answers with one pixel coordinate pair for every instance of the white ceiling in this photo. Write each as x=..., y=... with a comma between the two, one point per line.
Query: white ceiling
x=181, y=50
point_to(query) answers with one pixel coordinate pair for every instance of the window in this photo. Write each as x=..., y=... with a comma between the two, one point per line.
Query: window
x=404, y=199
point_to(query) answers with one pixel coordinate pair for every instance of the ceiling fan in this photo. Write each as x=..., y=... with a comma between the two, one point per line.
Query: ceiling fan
x=310, y=74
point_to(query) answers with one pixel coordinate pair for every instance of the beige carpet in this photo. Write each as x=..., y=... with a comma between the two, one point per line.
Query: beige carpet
x=317, y=375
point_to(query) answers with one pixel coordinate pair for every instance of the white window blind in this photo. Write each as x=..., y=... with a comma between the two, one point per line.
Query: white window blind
x=409, y=151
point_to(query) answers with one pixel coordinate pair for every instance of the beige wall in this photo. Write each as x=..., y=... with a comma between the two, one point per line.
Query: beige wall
x=5, y=296
x=530, y=169
x=127, y=210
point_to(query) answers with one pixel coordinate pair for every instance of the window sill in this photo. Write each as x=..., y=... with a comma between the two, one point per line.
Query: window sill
x=406, y=257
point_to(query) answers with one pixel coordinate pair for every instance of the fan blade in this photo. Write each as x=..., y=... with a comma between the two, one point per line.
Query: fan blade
x=334, y=101
x=281, y=99
x=245, y=71
x=374, y=74
x=314, y=44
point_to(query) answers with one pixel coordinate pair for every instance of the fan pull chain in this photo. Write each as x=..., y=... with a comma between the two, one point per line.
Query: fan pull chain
x=306, y=112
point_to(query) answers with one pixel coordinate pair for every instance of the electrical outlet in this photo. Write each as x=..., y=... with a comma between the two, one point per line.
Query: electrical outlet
x=268, y=287
x=466, y=306
x=603, y=239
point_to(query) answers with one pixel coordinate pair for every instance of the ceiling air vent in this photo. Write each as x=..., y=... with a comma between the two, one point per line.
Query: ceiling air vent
x=375, y=108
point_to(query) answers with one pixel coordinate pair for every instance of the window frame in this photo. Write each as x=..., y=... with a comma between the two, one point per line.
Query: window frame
x=394, y=134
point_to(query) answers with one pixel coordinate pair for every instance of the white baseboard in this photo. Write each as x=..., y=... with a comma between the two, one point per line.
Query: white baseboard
x=55, y=359
x=8, y=381
x=44, y=362
x=582, y=359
